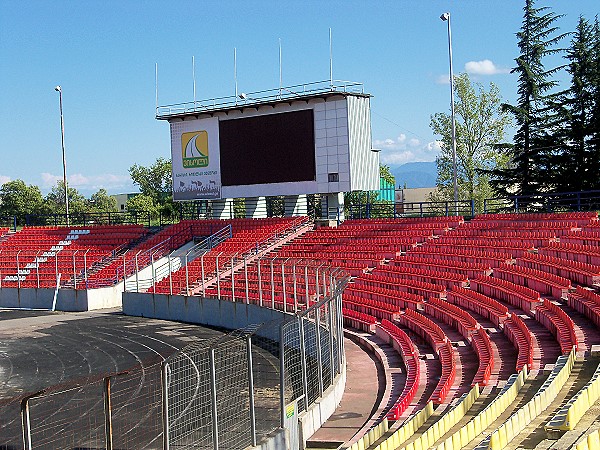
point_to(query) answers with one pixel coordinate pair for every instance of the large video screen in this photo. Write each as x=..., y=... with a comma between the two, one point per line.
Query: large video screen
x=274, y=148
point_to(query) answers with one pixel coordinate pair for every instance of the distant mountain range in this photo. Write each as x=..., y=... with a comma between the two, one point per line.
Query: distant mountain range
x=415, y=174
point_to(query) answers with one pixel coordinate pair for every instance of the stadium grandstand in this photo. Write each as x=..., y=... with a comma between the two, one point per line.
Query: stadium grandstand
x=433, y=332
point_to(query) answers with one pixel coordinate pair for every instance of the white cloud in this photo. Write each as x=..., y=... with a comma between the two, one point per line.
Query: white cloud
x=443, y=79
x=402, y=150
x=484, y=67
x=4, y=179
x=80, y=181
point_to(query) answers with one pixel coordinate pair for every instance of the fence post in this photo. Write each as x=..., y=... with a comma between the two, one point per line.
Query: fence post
x=272, y=287
x=282, y=374
x=246, y=280
x=306, y=285
x=85, y=267
x=137, y=273
x=26, y=424
x=202, y=273
x=260, y=293
x=213, y=399
x=251, y=390
x=165, y=403
x=295, y=287
x=232, y=281
x=319, y=356
x=333, y=369
x=283, y=287
x=516, y=205
x=18, y=271
x=218, y=277
x=170, y=276
x=107, y=415
x=75, y=269
x=187, y=275
x=37, y=268
x=303, y=361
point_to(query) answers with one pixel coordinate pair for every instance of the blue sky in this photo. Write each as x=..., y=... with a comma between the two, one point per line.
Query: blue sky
x=103, y=53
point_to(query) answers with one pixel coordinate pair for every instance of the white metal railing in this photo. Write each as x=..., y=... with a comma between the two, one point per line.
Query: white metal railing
x=258, y=97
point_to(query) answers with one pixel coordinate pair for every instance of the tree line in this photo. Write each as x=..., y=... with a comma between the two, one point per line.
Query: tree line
x=556, y=143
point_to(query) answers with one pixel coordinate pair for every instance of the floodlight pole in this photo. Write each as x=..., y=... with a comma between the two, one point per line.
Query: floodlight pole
x=446, y=18
x=64, y=158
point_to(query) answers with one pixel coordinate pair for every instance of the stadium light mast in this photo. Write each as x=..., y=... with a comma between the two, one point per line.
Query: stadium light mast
x=64, y=158
x=446, y=18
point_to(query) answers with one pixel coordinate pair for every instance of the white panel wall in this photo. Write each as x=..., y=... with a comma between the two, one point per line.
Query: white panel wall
x=364, y=163
x=342, y=146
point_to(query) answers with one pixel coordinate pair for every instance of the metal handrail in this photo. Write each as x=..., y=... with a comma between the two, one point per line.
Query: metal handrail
x=264, y=96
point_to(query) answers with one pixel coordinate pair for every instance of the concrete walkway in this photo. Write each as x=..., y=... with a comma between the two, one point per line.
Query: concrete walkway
x=358, y=403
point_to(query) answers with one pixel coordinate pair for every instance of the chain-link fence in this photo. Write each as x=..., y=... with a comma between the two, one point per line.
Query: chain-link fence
x=229, y=392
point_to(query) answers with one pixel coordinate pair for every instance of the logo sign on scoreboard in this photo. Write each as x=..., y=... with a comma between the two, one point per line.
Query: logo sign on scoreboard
x=195, y=159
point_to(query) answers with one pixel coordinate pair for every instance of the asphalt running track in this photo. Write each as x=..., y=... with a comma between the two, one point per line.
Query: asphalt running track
x=73, y=351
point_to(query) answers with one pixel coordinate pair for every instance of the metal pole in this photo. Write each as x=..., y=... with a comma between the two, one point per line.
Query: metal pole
x=260, y=293
x=283, y=287
x=202, y=272
x=303, y=361
x=64, y=158
x=319, y=356
x=107, y=415
x=187, y=276
x=272, y=287
x=218, y=278
x=295, y=287
x=137, y=273
x=213, y=399
x=251, y=390
x=37, y=268
x=75, y=269
x=333, y=368
x=246, y=275
x=165, y=403
x=446, y=17
x=170, y=276
x=282, y=375
x=232, y=282
x=26, y=424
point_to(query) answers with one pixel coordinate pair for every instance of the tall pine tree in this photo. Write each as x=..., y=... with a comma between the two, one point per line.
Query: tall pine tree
x=531, y=147
x=576, y=167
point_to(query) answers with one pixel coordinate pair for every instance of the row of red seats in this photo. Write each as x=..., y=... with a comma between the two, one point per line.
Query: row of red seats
x=485, y=306
x=518, y=333
x=542, y=282
x=491, y=259
x=452, y=315
x=380, y=310
x=400, y=283
x=575, y=215
x=514, y=294
x=583, y=253
x=586, y=302
x=424, y=327
x=358, y=320
x=476, y=249
x=509, y=245
x=558, y=228
x=453, y=220
x=391, y=296
x=559, y=323
x=582, y=273
x=447, y=279
x=467, y=269
x=410, y=357
x=446, y=355
x=483, y=347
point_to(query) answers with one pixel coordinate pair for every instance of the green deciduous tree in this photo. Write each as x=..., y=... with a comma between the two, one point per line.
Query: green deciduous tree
x=55, y=200
x=101, y=202
x=18, y=199
x=532, y=148
x=480, y=125
x=154, y=181
x=143, y=204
